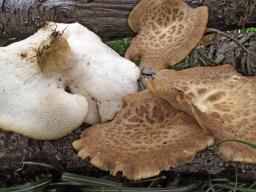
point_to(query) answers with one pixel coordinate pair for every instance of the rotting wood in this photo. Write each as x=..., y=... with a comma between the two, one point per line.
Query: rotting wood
x=108, y=18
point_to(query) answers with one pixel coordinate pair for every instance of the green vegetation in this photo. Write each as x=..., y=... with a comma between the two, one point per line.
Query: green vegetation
x=246, y=30
x=4, y=42
x=73, y=182
x=120, y=46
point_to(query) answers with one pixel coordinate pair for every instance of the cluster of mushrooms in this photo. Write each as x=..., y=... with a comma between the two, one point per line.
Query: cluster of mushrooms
x=63, y=75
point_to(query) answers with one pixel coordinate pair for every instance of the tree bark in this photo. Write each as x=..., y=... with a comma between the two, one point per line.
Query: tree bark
x=108, y=18
x=15, y=149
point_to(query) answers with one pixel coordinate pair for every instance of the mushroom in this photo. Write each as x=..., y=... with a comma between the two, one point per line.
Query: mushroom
x=33, y=103
x=92, y=69
x=60, y=77
x=167, y=32
x=147, y=136
x=221, y=100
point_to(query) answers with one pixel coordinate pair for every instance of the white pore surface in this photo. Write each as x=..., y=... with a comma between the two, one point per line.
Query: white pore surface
x=98, y=72
x=35, y=104
x=32, y=103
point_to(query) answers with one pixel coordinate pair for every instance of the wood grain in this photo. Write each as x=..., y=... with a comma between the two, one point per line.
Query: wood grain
x=108, y=18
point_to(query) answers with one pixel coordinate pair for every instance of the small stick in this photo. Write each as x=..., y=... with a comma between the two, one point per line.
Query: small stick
x=211, y=30
x=212, y=63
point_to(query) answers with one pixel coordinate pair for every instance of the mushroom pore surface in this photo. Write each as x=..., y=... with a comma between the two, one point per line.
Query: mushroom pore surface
x=92, y=69
x=60, y=77
x=33, y=103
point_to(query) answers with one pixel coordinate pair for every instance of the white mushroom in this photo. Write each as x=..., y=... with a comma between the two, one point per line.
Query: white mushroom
x=35, y=72
x=33, y=103
x=92, y=69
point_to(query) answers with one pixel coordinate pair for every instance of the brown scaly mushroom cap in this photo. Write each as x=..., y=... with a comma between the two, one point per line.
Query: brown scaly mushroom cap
x=146, y=137
x=221, y=100
x=167, y=31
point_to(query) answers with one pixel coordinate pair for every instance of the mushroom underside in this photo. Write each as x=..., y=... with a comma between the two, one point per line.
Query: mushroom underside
x=60, y=77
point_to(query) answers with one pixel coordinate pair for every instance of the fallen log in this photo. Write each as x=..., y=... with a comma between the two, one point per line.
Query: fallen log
x=15, y=149
x=108, y=18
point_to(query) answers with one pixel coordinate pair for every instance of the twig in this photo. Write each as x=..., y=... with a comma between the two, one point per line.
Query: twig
x=211, y=30
x=235, y=190
x=210, y=61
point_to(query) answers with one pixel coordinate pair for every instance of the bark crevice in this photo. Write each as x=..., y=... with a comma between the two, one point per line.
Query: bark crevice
x=108, y=18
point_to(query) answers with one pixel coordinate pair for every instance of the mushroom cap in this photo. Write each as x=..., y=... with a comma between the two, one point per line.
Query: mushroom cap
x=167, y=30
x=147, y=136
x=221, y=100
x=59, y=57
x=92, y=69
x=33, y=103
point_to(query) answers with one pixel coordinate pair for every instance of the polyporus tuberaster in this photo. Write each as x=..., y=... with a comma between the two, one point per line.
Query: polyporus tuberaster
x=36, y=72
x=92, y=69
x=33, y=103
x=167, y=31
x=221, y=100
x=147, y=136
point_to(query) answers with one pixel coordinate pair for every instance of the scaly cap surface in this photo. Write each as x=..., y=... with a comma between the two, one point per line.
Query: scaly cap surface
x=167, y=30
x=146, y=137
x=221, y=100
